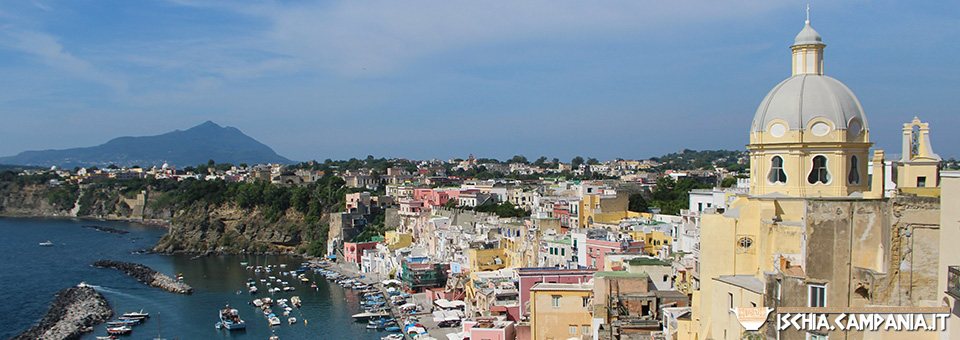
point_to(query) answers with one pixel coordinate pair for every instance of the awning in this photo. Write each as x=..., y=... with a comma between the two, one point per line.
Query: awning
x=332, y=256
x=498, y=309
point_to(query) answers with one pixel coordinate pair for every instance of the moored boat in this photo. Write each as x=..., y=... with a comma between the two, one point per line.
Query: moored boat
x=230, y=319
x=118, y=330
x=139, y=314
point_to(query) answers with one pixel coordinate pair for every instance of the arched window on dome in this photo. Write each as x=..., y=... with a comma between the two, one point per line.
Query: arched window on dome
x=854, y=176
x=819, y=172
x=777, y=175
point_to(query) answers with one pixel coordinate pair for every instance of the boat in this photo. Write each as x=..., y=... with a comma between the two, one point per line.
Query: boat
x=274, y=337
x=292, y=320
x=295, y=301
x=46, y=244
x=139, y=314
x=108, y=337
x=368, y=315
x=392, y=337
x=118, y=330
x=274, y=320
x=230, y=319
x=158, y=328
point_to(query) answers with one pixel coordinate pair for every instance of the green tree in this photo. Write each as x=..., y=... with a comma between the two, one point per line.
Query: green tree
x=728, y=182
x=592, y=161
x=638, y=203
x=518, y=159
x=576, y=162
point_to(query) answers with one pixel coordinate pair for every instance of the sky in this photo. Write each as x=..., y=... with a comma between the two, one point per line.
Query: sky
x=444, y=79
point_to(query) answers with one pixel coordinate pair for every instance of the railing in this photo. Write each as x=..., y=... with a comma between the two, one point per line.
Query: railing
x=953, y=281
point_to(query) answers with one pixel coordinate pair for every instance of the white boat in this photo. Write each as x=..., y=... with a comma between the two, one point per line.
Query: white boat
x=46, y=244
x=274, y=320
x=292, y=320
x=118, y=330
x=139, y=314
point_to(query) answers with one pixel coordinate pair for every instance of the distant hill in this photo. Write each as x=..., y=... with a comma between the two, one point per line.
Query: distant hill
x=181, y=148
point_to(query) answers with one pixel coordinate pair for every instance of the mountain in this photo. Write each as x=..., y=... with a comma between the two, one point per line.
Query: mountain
x=181, y=148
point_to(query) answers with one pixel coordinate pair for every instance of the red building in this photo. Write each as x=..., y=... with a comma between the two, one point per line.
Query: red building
x=352, y=251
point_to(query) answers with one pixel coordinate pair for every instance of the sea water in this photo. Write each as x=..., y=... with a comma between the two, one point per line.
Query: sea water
x=30, y=275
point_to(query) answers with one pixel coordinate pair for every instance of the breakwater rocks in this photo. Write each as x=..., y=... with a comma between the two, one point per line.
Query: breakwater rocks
x=74, y=311
x=147, y=276
x=105, y=229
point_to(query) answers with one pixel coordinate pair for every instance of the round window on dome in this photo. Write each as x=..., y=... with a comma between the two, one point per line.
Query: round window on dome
x=820, y=129
x=778, y=130
x=854, y=128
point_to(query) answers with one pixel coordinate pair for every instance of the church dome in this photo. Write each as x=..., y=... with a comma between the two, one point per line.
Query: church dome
x=805, y=97
x=808, y=36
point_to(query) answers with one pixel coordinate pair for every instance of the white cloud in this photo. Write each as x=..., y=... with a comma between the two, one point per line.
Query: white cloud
x=52, y=53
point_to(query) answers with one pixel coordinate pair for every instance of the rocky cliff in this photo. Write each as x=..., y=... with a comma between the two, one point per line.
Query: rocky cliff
x=229, y=229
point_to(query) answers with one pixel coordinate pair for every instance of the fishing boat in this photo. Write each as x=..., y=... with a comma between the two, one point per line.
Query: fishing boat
x=230, y=319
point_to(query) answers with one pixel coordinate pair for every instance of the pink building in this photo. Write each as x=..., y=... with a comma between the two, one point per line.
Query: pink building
x=532, y=276
x=597, y=250
x=352, y=251
x=489, y=329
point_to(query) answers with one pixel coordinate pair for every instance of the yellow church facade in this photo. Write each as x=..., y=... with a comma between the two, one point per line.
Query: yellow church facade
x=817, y=229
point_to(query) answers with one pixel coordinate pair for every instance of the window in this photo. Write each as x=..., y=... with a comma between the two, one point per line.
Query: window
x=816, y=336
x=563, y=251
x=777, y=175
x=921, y=181
x=818, y=295
x=779, y=289
x=819, y=173
x=585, y=329
x=730, y=300
x=586, y=301
x=573, y=329
x=854, y=176
x=555, y=301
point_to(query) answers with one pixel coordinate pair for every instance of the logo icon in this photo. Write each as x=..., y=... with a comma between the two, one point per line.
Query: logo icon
x=751, y=318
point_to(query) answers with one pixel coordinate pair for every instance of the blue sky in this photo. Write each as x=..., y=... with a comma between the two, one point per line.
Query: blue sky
x=442, y=79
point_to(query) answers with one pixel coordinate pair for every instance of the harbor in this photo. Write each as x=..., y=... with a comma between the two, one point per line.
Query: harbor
x=325, y=310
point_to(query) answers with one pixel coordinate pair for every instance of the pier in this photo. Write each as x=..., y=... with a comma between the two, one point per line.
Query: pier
x=147, y=276
x=74, y=311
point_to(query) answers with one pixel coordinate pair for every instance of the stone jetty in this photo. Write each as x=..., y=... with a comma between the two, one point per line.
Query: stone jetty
x=147, y=276
x=74, y=311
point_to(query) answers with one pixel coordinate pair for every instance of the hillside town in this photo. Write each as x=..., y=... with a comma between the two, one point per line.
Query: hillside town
x=809, y=216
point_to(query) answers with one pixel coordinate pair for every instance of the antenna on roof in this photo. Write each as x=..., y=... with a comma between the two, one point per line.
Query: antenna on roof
x=808, y=13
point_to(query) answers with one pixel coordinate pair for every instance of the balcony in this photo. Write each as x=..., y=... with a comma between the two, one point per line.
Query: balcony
x=953, y=281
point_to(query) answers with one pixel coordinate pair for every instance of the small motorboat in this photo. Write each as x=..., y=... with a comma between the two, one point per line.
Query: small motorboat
x=46, y=244
x=108, y=337
x=118, y=330
x=292, y=320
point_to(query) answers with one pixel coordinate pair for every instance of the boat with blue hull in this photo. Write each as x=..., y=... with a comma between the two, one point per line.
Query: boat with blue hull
x=230, y=319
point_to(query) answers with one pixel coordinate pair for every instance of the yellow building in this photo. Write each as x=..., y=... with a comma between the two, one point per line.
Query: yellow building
x=486, y=259
x=653, y=241
x=396, y=240
x=561, y=311
x=815, y=229
x=598, y=208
